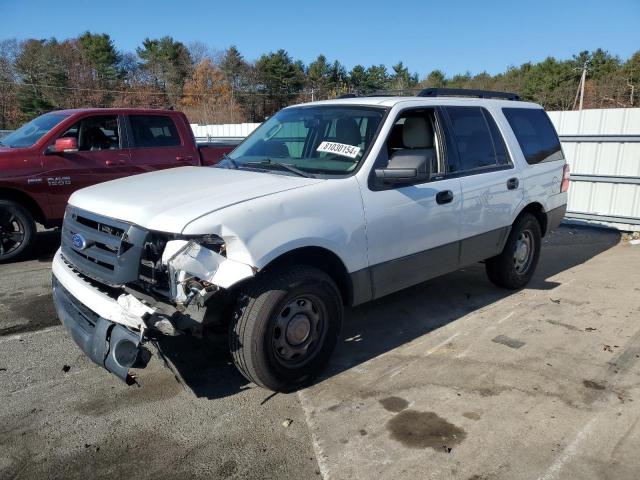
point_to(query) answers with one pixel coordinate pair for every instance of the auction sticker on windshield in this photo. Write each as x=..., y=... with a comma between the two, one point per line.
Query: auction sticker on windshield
x=342, y=149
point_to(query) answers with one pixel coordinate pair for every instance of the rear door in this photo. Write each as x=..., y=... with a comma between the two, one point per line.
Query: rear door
x=491, y=187
x=101, y=156
x=155, y=143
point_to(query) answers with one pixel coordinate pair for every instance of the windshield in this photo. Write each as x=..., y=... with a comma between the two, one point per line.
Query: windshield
x=314, y=139
x=31, y=132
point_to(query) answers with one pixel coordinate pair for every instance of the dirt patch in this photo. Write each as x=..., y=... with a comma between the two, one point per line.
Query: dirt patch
x=38, y=311
x=593, y=385
x=394, y=404
x=471, y=415
x=150, y=390
x=508, y=341
x=414, y=429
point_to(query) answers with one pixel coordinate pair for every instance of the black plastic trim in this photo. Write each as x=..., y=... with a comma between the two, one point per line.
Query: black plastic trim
x=466, y=92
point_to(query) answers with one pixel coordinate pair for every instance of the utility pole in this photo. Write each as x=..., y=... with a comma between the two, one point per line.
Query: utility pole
x=583, y=81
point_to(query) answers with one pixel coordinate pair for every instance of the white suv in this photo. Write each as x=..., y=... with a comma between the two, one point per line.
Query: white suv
x=326, y=204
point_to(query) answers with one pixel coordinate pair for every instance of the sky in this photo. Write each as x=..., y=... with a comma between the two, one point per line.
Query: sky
x=454, y=36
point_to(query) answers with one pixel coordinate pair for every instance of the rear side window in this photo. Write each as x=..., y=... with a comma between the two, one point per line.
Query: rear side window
x=154, y=131
x=535, y=133
x=477, y=139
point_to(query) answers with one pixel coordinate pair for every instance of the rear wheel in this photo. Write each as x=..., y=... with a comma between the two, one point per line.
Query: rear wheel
x=17, y=231
x=285, y=327
x=515, y=266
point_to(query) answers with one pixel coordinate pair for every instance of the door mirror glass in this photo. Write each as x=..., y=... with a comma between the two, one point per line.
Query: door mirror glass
x=65, y=145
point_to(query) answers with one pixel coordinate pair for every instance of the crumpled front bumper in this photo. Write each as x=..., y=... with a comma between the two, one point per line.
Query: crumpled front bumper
x=109, y=344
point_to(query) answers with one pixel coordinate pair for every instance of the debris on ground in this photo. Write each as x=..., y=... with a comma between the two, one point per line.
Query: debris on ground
x=554, y=300
x=607, y=348
x=3, y=369
x=66, y=368
x=287, y=422
x=590, y=329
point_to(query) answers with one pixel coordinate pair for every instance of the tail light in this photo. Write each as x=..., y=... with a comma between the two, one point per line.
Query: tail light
x=564, y=186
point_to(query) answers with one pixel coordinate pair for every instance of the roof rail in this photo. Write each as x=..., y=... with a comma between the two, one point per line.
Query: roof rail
x=347, y=95
x=465, y=92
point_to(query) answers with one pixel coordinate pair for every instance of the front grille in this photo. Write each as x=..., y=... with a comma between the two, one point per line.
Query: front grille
x=112, y=249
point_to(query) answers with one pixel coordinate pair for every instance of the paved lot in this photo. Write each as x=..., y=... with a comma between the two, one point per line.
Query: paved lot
x=453, y=378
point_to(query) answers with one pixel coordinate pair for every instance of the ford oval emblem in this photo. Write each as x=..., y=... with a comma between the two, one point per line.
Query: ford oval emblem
x=79, y=241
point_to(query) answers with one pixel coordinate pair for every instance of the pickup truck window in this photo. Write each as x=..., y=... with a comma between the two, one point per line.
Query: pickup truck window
x=477, y=139
x=33, y=131
x=317, y=139
x=154, y=131
x=535, y=133
x=96, y=133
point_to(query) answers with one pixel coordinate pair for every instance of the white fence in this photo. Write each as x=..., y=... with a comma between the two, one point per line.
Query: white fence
x=204, y=133
x=603, y=151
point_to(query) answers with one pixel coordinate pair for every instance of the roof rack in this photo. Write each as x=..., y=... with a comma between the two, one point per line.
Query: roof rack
x=465, y=92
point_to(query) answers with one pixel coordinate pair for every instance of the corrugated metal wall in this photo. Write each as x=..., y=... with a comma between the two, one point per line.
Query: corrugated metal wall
x=603, y=151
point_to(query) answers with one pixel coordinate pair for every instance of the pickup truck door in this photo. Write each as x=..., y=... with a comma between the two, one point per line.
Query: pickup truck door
x=412, y=230
x=156, y=142
x=101, y=156
x=491, y=187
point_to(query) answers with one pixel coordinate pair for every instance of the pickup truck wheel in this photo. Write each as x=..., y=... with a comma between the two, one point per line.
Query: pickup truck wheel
x=285, y=327
x=17, y=231
x=515, y=266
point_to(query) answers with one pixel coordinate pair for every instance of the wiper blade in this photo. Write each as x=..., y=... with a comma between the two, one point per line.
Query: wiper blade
x=285, y=166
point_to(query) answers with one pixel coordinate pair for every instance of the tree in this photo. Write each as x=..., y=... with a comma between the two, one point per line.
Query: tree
x=168, y=65
x=9, y=111
x=207, y=94
x=44, y=80
x=402, y=79
x=280, y=79
x=357, y=77
x=436, y=79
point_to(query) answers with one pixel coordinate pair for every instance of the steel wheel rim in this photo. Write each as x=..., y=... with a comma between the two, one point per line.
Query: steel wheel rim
x=523, y=252
x=12, y=232
x=300, y=327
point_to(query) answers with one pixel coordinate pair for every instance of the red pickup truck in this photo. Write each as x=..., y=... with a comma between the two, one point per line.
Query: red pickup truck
x=46, y=160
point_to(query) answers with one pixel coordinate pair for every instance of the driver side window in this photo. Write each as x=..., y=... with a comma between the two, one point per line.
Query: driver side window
x=414, y=131
x=95, y=133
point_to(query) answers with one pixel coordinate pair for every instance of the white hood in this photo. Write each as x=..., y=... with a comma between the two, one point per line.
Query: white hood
x=168, y=200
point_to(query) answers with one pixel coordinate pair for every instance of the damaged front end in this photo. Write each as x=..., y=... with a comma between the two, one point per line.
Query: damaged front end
x=169, y=293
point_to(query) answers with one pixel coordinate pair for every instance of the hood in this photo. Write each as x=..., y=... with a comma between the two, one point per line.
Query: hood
x=168, y=200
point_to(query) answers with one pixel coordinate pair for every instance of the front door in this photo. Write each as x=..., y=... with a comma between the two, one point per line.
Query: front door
x=100, y=157
x=412, y=230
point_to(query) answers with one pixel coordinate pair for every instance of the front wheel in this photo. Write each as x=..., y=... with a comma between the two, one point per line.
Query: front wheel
x=17, y=231
x=285, y=327
x=515, y=266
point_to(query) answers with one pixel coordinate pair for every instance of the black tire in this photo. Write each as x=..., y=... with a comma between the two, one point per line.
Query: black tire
x=510, y=269
x=17, y=231
x=272, y=314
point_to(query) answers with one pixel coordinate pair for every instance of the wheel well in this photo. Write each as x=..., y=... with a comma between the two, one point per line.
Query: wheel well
x=537, y=211
x=322, y=259
x=26, y=201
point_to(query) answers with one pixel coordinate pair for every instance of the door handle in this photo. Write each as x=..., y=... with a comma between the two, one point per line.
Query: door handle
x=445, y=196
x=513, y=183
x=186, y=158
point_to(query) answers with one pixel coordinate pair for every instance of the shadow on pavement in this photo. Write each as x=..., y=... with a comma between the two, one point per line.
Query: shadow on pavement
x=372, y=329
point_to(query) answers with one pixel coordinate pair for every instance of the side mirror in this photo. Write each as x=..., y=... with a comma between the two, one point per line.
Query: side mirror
x=407, y=166
x=65, y=145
